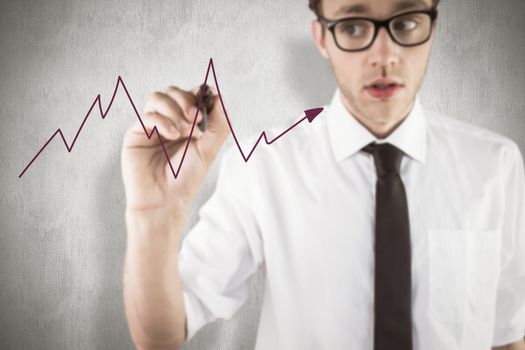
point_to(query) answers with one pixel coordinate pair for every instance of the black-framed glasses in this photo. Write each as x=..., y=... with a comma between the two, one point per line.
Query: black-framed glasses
x=359, y=33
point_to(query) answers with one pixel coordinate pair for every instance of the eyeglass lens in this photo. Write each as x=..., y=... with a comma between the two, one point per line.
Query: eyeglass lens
x=409, y=29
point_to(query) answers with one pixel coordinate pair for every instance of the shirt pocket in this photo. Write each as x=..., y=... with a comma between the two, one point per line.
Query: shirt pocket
x=483, y=268
x=463, y=268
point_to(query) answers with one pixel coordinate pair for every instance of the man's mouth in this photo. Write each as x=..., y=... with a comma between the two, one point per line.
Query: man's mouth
x=383, y=88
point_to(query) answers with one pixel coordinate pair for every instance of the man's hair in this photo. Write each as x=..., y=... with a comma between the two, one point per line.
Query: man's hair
x=315, y=6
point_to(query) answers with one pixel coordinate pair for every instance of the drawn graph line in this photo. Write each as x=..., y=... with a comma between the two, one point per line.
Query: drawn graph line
x=310, y=115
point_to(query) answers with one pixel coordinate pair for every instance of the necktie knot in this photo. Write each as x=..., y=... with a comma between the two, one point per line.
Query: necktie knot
x=387, y=158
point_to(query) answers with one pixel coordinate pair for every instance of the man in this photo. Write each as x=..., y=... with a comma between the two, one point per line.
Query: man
x=380, y=225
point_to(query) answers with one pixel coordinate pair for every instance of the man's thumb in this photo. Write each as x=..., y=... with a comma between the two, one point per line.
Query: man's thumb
x=217, y=128
x=217, y=123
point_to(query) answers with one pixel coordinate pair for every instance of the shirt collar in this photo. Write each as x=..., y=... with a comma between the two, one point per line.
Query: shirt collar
x=348, y=136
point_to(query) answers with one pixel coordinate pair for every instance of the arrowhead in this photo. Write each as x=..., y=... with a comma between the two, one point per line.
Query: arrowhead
x=312, y=113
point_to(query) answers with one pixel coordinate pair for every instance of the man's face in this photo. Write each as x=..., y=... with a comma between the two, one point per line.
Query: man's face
x=356, y=71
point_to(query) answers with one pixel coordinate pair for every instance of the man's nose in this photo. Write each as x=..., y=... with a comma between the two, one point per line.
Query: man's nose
x=384, y=51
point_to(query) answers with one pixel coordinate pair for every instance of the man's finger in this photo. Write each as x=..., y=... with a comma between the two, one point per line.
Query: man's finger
x=187, y=101
x=162, y=103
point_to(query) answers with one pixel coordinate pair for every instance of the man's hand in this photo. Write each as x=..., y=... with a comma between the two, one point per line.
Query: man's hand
x=148, y=178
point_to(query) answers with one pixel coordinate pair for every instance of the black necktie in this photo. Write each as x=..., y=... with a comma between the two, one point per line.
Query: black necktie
x=392, y=299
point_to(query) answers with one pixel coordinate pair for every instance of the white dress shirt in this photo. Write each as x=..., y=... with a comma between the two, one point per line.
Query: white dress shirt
x=302, y=209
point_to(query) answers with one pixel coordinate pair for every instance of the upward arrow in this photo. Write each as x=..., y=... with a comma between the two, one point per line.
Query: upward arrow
x=312, y=113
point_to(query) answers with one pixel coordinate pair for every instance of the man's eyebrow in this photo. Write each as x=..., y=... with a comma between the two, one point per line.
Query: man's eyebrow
x=409, y=4
x=361, y=8
x=355, y=8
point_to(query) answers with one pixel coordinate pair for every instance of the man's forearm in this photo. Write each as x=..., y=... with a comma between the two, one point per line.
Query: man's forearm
x=519, y=345
x=152, y=293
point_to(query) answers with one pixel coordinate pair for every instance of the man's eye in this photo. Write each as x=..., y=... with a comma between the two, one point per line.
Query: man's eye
x=405, y=25
x=354, y=29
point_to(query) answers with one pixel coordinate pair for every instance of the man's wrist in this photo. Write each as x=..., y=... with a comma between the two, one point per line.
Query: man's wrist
x=177, y=212
x=155, y=222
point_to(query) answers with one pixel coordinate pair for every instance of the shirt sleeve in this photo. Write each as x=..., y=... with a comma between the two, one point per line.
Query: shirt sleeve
x=510, y=302
x=224, y=248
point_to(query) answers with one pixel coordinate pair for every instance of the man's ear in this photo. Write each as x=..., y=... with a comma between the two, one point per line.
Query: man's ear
x=319, y=37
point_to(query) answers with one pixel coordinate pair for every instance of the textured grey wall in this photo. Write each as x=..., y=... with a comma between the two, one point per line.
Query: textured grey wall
x=62, y=230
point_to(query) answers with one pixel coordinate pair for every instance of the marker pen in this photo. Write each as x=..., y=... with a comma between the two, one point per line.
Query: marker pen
x=205, y=104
